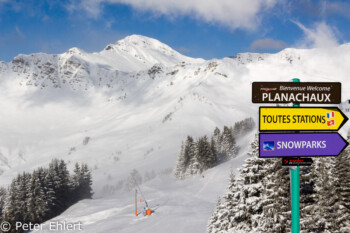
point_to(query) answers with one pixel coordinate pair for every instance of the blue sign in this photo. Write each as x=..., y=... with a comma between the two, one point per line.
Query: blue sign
x=300, y=144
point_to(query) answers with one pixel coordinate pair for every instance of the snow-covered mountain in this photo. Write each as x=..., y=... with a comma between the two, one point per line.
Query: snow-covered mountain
x=81, y=70
x=129, y=107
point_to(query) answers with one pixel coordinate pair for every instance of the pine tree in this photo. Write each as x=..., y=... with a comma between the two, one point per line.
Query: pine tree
x=191, y=159
x=237, y=128
x=185, y=159
x=12, y=213
x=275, y=198
x=214, y=148
x=232, y=200
x=216, y=143
x=342, y=176
x=76, y=183
x=322, y=207
x=228, y=144
x=50, y=194
x=252, y=175
x=214, y=223
x=240, y=128
x=61, y=185
x=227, y=213
x=206, y=157
x=86, y=190
x=254, y=147
x=23, y=195
x=37, y=203
x=3, y=194
x=340, y=185
x=242, y=205
x=58, y=205
x=64, y=191
x=310, y=182
x=194, y=166
x=180, y=166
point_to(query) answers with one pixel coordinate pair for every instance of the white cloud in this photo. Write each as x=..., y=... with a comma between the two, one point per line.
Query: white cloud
x=268, y=43
x=91, y=7
x=336, y=8
x=230, y=13
x=320, y=36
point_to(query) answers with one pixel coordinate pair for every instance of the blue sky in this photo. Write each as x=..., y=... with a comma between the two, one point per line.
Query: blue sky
x=196, y=28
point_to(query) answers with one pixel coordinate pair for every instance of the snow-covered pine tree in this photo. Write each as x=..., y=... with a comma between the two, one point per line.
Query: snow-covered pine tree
x=86, y=190
x=194, y=166
x=248, y=125
x=75, y=183
x=329, y=214
x=64, y=191
x=342, y=176
x=23, y=194
x=214, y=223
x=322, y=210
x=228, y=144
x=50, y=194
x=341, y=187
x=252, y=178
x=3, y=193
x=311, y=180
x=216, y=143
x=214, y=148
x=23, y=180
x=30, y=201
x=242, y=127
x=237, y=128
x=231, y=200
x=205, y=155
x=227, y=215
x=275, y=217
x=61, y=185
x=191, y=159
x=321, y=217
x=254, y=145
x=242, y=207
x=185, y=159
x=12, y=213
x=37, y=203
x=180, y=166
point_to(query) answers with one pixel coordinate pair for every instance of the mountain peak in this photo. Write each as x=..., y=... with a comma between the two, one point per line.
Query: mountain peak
x=75, y=50
x=138, y=41
x=144, y=52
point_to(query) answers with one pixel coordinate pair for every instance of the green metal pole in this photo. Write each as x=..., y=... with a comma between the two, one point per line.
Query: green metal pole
x=295, y=189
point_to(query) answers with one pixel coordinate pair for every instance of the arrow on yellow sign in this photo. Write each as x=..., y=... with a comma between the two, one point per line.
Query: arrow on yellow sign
x=308, y=118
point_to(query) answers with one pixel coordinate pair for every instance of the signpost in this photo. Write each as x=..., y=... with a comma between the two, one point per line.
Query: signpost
x=300, y=144
x=286, y=118
x=296, y=92
x=294, y=173
x=292, y=146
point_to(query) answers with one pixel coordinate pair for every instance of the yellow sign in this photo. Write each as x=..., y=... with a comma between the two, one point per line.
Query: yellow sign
x=308, y=118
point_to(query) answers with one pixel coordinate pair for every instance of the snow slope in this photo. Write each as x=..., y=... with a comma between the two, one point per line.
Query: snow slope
x=136, y=101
